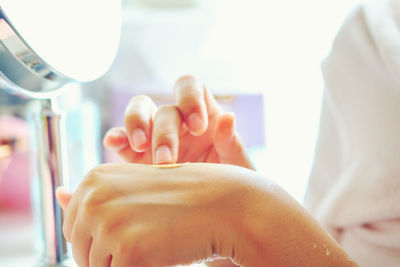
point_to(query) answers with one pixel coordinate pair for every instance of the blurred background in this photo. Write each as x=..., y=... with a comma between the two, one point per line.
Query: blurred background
x=267, y=54
x=260, y=58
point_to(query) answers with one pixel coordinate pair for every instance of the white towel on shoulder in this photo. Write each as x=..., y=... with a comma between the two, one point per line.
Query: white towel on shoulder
x=354, y=188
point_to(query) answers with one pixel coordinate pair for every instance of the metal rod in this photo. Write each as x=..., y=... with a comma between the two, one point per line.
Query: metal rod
x=50, y=155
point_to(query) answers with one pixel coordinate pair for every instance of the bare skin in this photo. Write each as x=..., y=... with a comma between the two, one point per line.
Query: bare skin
x=137, y=215
x=140, y=215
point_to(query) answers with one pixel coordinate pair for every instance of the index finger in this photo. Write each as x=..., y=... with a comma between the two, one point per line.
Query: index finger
x=195, y=103
x=137, y=119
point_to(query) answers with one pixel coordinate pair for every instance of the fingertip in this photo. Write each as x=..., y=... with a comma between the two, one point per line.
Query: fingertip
x=228, y=144
x=225, y=126
x=61, y=192
x=63, y=197
x=115, y=139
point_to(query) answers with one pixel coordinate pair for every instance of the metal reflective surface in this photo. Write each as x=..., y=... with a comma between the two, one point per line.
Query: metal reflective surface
x=51, y=164
x=21, y=69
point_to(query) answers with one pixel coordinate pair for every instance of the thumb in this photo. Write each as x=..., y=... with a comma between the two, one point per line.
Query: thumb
x=63, y=197
x=227, y=143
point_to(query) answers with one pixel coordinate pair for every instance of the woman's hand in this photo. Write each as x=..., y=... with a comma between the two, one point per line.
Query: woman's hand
x=193, y=130
x=140, y=215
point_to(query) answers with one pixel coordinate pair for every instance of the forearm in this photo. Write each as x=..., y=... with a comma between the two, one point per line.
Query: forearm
x=280, y=232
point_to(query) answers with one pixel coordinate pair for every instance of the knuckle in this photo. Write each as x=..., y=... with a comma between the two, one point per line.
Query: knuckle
x=91, y=178
x=167, y=115
x=139, y=108
x=192, y=102
x=105, y=227
x=135, y=118
x=94, y=198
x=166, y=108
x=88, y=211
x=92, y=203
x=189, y=89
x=140, y=99
x=134, y=254
x=189, y=96
x=165, y=138
x=186, y=79
x=166, y=119
x=164, y=134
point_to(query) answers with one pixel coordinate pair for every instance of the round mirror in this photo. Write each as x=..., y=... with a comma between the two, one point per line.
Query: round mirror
x=46, y=43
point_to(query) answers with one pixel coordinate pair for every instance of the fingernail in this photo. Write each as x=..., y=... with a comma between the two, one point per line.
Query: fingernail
x=139, y=138
x=163, y=155
x=195, y=122
x=226, y=128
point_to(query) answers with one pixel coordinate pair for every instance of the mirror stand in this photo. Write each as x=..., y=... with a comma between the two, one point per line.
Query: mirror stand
x=50, y=165
x=50, y=49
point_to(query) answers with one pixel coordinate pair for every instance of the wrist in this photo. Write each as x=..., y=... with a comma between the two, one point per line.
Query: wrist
x=259, y=223
x=236, y=220
x=220, y=218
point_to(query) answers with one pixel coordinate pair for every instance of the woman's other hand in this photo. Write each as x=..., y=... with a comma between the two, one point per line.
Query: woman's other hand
x=193, y=130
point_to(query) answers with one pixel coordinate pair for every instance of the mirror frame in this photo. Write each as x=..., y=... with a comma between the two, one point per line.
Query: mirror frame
x=21, y=69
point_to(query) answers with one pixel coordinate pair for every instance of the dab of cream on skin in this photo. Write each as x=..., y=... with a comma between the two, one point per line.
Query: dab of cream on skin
x=170, y=166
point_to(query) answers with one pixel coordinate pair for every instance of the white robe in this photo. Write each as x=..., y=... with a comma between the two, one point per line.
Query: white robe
x=354, y=188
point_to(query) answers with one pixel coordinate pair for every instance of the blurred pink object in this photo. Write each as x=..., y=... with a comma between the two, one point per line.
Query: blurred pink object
x=14, y=164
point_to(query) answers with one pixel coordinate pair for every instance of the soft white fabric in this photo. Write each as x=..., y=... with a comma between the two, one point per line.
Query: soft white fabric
x=354, y=188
